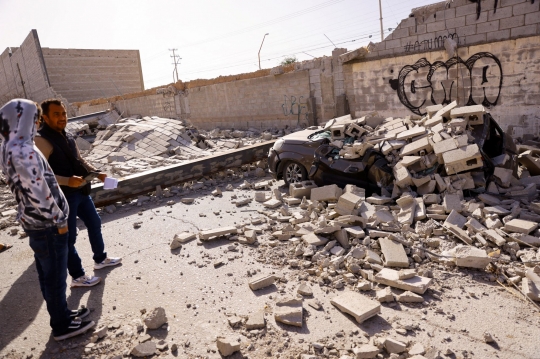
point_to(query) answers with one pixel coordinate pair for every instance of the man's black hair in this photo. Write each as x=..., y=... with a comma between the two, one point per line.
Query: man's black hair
x=45, y=105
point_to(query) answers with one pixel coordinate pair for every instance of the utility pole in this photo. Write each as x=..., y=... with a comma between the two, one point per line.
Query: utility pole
x=176, y=59
x=261, y=49
x=380, y=12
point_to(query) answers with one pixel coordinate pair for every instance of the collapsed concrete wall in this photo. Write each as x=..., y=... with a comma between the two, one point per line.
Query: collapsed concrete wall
x=456, y=51
x=80, y=74
x=23, y=72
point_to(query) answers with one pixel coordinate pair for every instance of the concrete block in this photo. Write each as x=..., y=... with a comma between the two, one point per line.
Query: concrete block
x=354, y=130
x=462, y=159
x=338, y=132
x=181, y=238
x=459, y=233
x=489, y=199
x=355, y=232
x=452, y=202
x=394, y=253
x=376, y=199
x=402, y=177
x=431, y=198
x=329, y=193
x=471, y=257
x=357, y=305
x=407, y=161
x=421, y=145
x=427, y=188
x=432, y=110
x=272, y=203
x=413, y=132
x=312, y=239
x=262, y=281
x=415, y=284
x=301, y=189
x=474, y=115
x=347, y=203
x=217, y=232
x=494, y=237
x=444, y=146
x=520, y=226
x=531, y=283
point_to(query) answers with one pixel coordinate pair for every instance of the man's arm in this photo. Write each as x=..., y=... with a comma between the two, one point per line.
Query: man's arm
x=46, y=149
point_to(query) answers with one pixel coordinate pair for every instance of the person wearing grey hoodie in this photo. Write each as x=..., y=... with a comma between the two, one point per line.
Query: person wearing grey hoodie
x=42, y=211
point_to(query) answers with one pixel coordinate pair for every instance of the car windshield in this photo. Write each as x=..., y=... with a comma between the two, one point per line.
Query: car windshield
x=319, y=135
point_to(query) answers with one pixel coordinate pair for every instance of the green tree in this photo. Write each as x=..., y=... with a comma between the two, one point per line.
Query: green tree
x=289, y=60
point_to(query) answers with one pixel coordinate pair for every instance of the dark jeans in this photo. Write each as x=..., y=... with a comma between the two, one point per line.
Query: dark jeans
x=83, y=207
x=50, y=251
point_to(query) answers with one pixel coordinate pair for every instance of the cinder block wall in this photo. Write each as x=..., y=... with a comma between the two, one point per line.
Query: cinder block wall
x=33, y=73
x=81, y=75
x=252, y=103
x=497, y=64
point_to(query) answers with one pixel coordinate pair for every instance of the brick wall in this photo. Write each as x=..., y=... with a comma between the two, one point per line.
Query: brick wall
x=428, y=26
x=81, y=75
x=385, y=86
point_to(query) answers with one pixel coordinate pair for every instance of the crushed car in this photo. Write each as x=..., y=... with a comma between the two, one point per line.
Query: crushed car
x=451, y=145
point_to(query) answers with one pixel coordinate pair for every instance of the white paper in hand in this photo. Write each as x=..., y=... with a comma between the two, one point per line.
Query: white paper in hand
x=110, y=183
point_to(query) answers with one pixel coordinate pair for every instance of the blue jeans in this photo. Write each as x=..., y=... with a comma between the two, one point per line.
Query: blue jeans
x=83, y=207
x=50, y=251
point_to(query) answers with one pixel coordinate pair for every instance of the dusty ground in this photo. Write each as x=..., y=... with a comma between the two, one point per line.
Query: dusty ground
x=199, y=299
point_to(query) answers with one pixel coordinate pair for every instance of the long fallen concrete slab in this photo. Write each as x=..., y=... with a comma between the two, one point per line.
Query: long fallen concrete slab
x=145, y=182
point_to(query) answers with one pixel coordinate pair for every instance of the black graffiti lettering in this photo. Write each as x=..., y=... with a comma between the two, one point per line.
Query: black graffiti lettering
x=437, y=86
x=484, y=74
x=430, y=44
x=291, y=107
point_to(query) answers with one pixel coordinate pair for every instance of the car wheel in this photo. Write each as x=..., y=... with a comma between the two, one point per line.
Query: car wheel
x=294, y=172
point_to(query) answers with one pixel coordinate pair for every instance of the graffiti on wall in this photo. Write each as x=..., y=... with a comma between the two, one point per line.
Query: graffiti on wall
x=291, y=107
x=477, y=80
x=435, y=43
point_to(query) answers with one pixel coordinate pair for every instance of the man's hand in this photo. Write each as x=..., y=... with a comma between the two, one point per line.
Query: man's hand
x=102, y=176
x=75, y=181
x=62, y=230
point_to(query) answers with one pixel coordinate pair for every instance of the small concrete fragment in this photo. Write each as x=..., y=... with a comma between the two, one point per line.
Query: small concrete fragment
x=366, y=351
x=471, y=257
x=256, y=321
x=394, y=253
x=330, y=193
x=394, y=346
x=409, y=297
x=217, y=232
x=155, y=318
x=311, y=239
x=262, y=281
x=520, y=226
x=181, y=238
x=227, y=346
x=289, y=311
x=384, y=295
x=390, y=277
x=357, y=305
x=305, y=290
x=145, y=349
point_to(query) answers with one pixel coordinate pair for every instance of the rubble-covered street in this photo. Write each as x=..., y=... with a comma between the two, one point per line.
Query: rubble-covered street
x=437, y=266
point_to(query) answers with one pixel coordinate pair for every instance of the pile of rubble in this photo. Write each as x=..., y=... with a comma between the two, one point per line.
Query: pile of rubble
x=124, y=146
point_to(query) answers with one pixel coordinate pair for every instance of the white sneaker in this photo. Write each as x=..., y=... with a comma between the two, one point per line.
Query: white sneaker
x=108, y=262
x=85, y=281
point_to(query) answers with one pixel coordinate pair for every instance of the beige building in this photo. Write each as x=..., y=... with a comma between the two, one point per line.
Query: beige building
x=38, y=73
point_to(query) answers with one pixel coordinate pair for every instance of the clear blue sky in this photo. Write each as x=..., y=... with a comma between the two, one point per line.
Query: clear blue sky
x=213, y=37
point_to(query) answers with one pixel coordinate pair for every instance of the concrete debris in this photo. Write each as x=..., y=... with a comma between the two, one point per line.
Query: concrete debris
x=357, y=305
x=394, y=346
x=256, y=321
x=227, y=346
x=366, y=351
x=182, y=238
x=416, y=284
x=262, y=281
x=289, y=311
x=409, y=297
x=144, y=350
x=471, y=257
x=384, y=295
x=155, y=318
x=218, y=232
